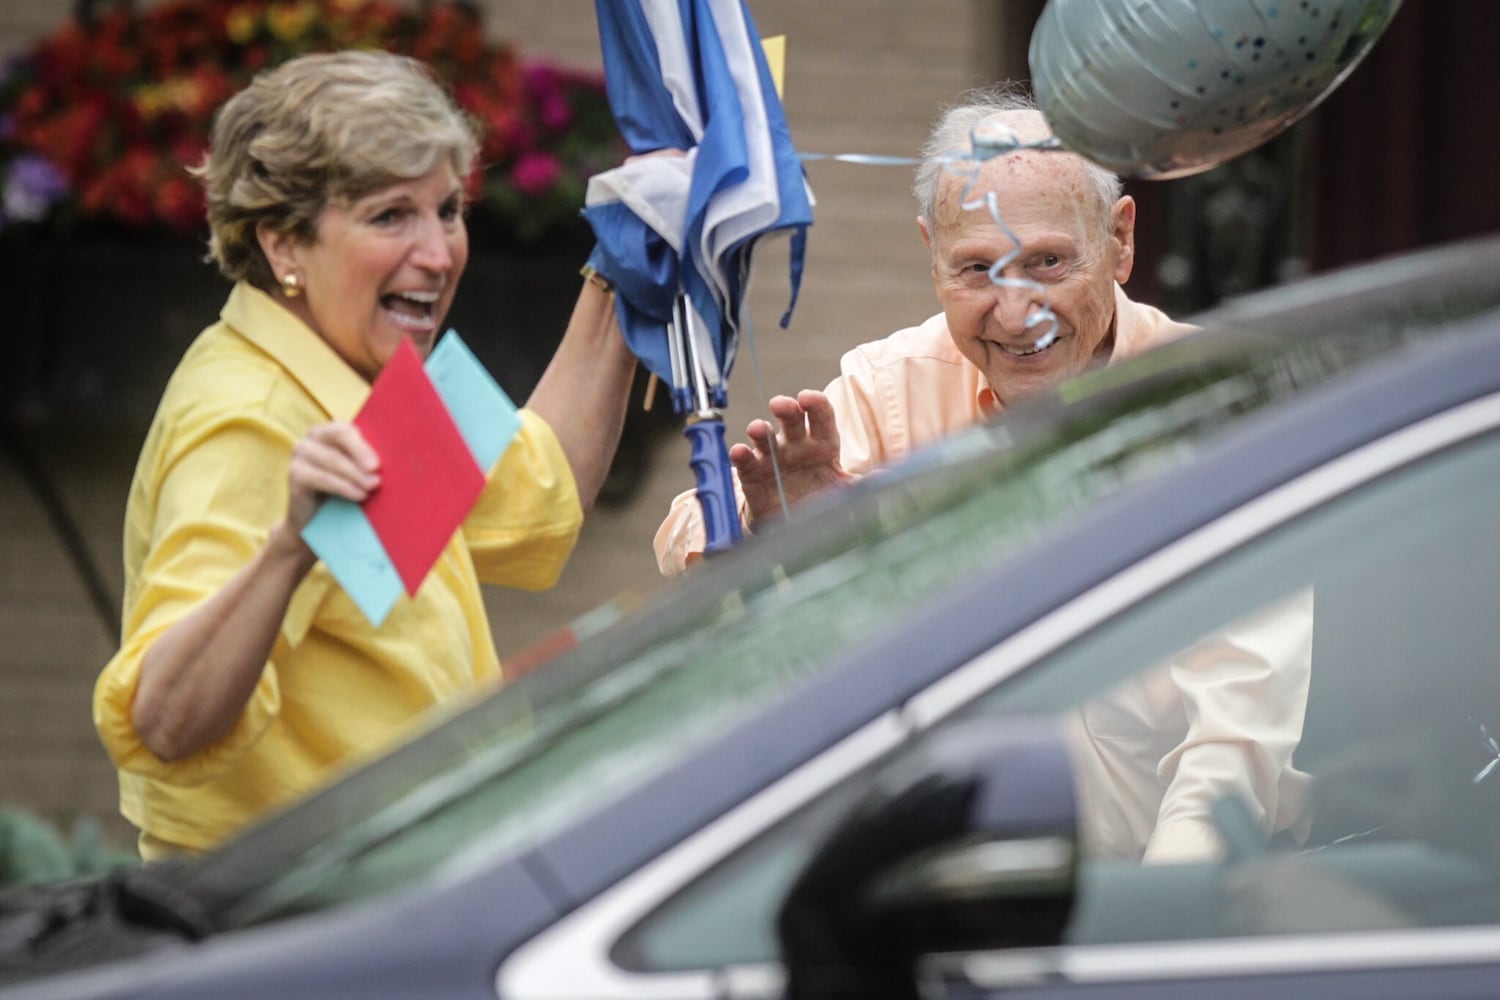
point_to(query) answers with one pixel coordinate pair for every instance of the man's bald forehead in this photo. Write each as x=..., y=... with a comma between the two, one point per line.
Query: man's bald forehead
x=1027, y=125
x=1058, y=170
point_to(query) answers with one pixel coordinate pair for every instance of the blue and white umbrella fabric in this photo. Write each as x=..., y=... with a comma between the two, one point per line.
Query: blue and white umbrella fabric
x=675, y=234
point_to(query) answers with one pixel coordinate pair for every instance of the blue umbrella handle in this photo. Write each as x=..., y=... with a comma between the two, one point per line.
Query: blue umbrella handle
x=710, y=462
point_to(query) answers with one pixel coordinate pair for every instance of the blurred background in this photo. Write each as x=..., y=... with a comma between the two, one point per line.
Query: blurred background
x=101, y=256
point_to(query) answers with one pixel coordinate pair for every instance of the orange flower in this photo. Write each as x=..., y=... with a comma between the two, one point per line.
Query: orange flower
x=242, y=24
x=289, y=21
x=179, y=203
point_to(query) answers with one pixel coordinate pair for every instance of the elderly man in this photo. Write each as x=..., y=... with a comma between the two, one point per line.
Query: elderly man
x=1220, y=719
x=1077, y=247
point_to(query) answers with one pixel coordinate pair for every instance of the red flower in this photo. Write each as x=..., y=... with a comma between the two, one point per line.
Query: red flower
x=179, y=203
x=122, y=105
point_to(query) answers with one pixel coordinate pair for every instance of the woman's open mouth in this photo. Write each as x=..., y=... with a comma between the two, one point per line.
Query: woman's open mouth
x=412, y=310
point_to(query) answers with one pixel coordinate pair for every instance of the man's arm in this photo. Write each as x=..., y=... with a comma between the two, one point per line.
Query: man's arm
x=1244, y=691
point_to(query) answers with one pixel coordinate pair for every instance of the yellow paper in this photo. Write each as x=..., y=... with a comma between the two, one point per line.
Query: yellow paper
x=775, y=50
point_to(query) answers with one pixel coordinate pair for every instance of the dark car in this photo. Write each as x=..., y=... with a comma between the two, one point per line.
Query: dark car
x=834, y=762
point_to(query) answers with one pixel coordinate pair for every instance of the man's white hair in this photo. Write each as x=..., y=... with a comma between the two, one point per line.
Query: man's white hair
x=953, y=130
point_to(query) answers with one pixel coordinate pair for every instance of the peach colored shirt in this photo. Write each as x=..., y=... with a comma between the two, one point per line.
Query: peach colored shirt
x=896, y=394
x=1152, y=756
x=1223, y=717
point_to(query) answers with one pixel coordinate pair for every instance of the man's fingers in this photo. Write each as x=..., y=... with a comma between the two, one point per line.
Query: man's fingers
x=799, y=425
x=744, y=461
x=821, y=423
x=759, y=433
x=789, y=414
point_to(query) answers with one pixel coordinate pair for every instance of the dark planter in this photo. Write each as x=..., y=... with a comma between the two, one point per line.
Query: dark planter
x=102, y=321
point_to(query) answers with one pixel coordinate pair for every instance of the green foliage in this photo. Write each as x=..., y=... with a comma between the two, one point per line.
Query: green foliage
x=33, y=851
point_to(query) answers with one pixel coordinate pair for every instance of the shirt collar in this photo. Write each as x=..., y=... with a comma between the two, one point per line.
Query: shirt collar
x=1122, y=328
x=305, y=356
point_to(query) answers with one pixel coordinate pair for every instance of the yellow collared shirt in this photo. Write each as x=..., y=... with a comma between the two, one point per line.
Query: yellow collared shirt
x=210, y=483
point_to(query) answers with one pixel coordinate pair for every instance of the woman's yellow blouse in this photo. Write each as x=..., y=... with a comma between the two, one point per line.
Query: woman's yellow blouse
x=210, y=483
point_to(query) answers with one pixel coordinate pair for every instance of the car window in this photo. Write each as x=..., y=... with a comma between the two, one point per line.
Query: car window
x=1393, y=802
x=1396, y=826
x=650, y=686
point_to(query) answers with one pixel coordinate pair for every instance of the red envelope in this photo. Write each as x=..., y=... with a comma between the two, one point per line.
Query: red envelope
x=428, y=478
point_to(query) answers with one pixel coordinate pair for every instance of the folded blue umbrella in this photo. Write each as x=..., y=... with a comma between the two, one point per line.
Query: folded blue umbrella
x=676, y=235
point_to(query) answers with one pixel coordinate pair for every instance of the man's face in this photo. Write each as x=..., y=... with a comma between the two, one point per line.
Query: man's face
x=1066, y=249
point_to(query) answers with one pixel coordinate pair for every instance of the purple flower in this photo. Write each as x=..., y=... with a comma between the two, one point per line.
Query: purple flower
x=32, y=186
x=555, y=114
x=544, y=84
x=535, y=172
x=542, y=78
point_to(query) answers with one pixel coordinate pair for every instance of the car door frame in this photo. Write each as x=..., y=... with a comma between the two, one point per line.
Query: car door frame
x=571, y=959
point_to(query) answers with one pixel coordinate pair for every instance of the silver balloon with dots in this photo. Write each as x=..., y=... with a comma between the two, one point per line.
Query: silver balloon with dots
x=1167, y=88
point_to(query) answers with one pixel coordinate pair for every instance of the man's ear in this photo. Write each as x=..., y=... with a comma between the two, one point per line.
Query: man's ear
x=926, y=232
x=1122, y=232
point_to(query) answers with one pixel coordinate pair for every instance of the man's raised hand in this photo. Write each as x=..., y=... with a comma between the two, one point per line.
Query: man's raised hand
x=807, y=454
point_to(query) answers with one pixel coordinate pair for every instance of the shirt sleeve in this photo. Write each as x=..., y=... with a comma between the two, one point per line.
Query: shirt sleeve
x=1244, y=693
x=856, y=396
x=680, y=540
x=217, y=491
x=526, y=522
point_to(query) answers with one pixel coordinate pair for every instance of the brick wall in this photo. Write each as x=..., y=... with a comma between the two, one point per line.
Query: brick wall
x=52, y=639
x=861, y=76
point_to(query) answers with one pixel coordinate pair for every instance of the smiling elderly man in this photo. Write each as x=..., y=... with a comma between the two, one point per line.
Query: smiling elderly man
x=1219, y=720
x=1077, y=247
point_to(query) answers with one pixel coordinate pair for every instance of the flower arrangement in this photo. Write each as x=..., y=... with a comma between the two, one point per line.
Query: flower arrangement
x=100, y=121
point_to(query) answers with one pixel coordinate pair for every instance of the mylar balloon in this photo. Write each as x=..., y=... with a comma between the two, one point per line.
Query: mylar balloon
x=1167, y=88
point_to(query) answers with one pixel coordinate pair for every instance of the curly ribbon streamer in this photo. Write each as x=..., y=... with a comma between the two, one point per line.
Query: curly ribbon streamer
x=984, y=145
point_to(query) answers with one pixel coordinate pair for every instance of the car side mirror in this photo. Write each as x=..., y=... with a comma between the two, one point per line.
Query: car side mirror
x=969, y=843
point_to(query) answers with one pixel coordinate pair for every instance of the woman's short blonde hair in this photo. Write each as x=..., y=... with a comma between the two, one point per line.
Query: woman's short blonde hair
x=322, y=129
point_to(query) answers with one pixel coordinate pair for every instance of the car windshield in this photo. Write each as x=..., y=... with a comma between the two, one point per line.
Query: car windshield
x=641, y=682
